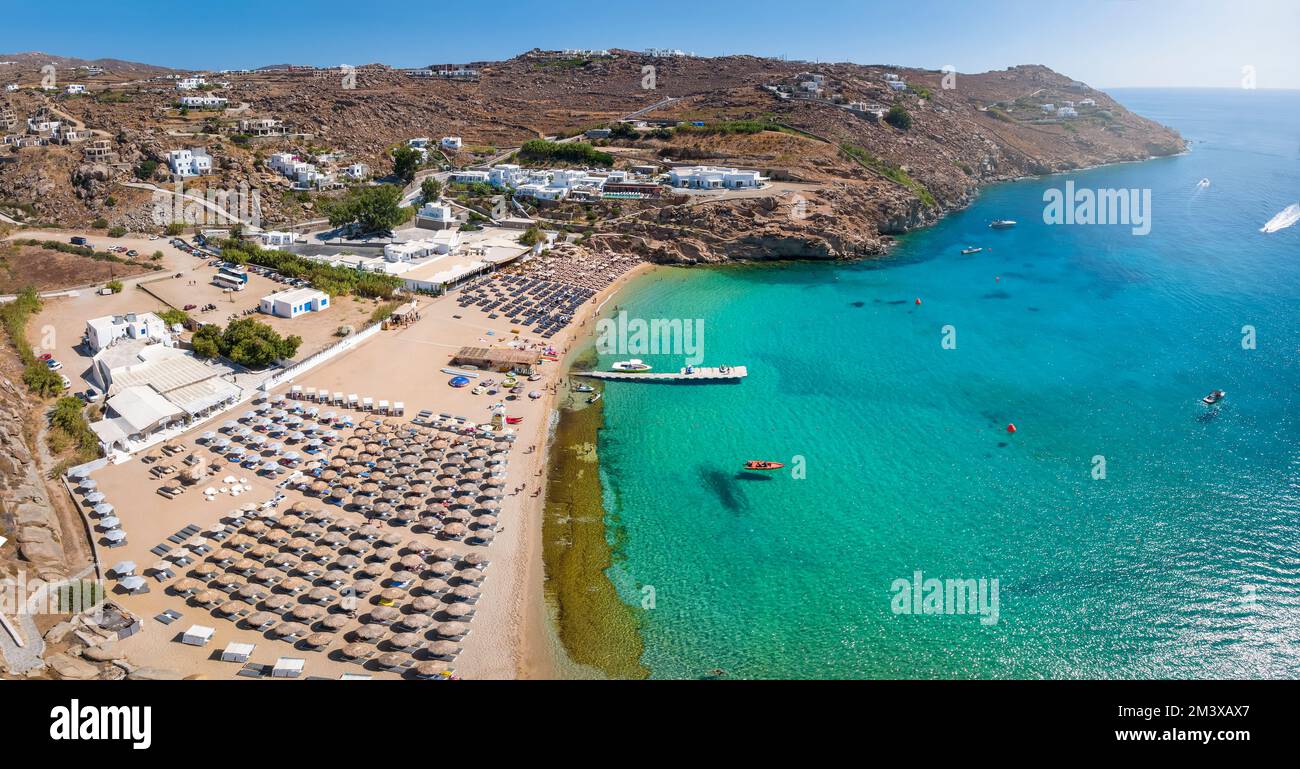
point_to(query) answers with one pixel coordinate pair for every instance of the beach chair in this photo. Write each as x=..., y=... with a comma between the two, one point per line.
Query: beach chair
x=310, y=394
x=367, y=404
x=382, y=408
x=352, y=401
x=399, y=408
x=338, y=399
x=323, y=395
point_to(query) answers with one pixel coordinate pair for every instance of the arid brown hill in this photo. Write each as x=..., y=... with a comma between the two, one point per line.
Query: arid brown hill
x=846, y=179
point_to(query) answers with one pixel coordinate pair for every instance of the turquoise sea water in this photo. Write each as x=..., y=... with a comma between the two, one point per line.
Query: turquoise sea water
x=1184, y=561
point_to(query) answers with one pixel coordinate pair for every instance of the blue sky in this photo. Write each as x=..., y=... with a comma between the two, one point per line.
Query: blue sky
x=1107, y=43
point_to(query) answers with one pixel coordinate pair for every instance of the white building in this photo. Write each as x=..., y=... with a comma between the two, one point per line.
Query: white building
x=152, y=387
x=711, y=177
x=76, y=88
x=452, y=143
x=204, y=101
x=1048, y=108
x=294, y=302
x=102, y=332
x=435, y=215
x=357, y=171
x=440, y=242
x=1087, y=102
x=190, y=83
x=190, y=162
x=275, y=238
x=418, y=143
x=506, y=175
x=1067, y=112
x=470, y=177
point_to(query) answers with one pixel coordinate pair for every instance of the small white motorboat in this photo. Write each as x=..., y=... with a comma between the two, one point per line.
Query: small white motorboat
x=635, y=364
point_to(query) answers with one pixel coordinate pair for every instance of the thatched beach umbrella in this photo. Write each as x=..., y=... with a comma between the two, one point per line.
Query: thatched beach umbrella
x=208, y=597
x=392, y=594
x=294, y=585
x=261, y=620
x=441, y=568
x=318, y=640
x=370, y=633
x=452, y=630
x=335, y=622
x=458, y=611
x=288, y=630
x=383, y=615
x=425, y=604
x=405, y=640
x=306, y=612
x=321, y=595
x=434, y=587
x=416, y=622
x=356, y=651
x=278, y=602
x=444, y=650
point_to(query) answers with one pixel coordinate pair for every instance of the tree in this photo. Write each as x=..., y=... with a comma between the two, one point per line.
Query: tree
x=206, y=342
x=430, y=190
x=374, y=209
x=114, y=285
x=405, y=162
x=246, y=341
x=899, y=117
x=532, y=236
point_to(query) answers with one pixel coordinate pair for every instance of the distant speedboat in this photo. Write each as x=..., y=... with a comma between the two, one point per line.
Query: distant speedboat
x=1202, y=184
x=1002, y=224
x=1214, y=397
x=636, y=364
x=594, y=398
x=972, y=249
x=762, y=464
x=583, y=388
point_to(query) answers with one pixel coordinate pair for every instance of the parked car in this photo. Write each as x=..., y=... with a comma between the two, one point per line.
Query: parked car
x=67, y=383
x=133, y=252
x=46, y=356
x=153, y=237
x=189, y=307
x=54, y=365
x=79, y=241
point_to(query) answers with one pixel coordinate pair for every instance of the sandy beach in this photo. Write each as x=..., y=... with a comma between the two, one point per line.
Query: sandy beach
x=512, y=634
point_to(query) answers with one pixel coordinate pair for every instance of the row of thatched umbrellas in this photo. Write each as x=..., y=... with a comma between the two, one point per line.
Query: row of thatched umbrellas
x=300, y=565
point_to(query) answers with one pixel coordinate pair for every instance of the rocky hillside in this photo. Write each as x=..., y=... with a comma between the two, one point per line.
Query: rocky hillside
x=847, y=180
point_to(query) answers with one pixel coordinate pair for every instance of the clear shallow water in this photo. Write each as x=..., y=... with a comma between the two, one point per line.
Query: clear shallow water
x=1092, y=341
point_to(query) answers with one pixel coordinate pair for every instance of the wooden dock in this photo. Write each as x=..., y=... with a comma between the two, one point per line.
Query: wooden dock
x=700, y=374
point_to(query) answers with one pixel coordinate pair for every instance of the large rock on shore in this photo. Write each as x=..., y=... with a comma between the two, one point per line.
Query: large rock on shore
x=71, y=668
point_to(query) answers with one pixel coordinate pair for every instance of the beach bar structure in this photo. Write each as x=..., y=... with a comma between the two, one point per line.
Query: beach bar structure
x=497, y=359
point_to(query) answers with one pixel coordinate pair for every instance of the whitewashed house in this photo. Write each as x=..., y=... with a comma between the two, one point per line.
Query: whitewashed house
x=435, y=215
x=1067, y=112
x=190, y=162
x=470, y=177
x=294, y=302
x=190, y=83
x=357, y=171
x=451, y=143
x=204, y=101
x=76, y=88
x=712, y=177
x=506, y=175
x=276, y=238
x=101, y=332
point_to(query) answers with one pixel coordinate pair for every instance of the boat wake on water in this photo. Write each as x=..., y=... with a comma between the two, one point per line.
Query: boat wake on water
x=1284, y=218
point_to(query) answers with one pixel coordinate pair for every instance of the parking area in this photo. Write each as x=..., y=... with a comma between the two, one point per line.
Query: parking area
x=196, y=290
